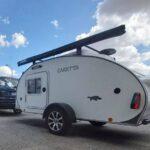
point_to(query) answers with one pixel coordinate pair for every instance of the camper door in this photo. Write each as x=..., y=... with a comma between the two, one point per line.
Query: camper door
x=36, y=90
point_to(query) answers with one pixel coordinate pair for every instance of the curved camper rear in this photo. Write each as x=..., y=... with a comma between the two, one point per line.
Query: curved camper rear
x=90, y=86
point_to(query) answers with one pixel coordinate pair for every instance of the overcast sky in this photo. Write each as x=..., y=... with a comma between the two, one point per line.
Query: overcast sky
x=31, y=27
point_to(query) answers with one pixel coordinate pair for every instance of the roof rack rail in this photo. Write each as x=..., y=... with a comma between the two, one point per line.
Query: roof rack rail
x=76, y=45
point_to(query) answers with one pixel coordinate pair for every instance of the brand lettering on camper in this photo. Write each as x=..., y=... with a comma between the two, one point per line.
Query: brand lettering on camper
x=67, y=69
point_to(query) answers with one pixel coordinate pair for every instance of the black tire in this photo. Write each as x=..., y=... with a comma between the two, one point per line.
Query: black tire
x=57, y=121
x=97, y=124
x=17, y=111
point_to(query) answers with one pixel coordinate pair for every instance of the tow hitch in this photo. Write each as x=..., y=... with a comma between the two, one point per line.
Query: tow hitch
x=146, y=121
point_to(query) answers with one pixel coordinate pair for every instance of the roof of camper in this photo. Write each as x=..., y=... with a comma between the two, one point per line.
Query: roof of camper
x=118, y=31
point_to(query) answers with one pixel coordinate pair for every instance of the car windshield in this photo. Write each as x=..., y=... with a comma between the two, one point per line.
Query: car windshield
x=10, y=82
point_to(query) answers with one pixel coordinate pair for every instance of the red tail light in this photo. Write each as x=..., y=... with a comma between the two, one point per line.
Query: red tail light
x=135, y=104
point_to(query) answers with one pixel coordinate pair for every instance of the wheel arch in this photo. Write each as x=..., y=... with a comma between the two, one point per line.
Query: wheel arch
x=65, y=107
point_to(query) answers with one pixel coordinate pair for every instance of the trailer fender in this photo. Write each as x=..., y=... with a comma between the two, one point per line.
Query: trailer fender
x=65, y=107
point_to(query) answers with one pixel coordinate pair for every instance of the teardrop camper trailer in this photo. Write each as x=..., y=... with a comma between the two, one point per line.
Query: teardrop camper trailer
x=78, y=86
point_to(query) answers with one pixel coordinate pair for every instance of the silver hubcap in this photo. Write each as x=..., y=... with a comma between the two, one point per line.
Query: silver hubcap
x=55, y=121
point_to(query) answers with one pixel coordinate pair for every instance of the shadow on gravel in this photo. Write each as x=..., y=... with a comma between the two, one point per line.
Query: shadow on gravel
x=8, y=113
x=32, y=122
x=107, y=134
x=114, y=135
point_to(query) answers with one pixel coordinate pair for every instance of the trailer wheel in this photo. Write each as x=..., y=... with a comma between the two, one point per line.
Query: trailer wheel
x=17, y=111
x=58, y=121
x=97, y=124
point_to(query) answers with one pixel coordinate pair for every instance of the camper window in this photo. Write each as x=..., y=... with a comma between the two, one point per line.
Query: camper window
x=38, y=85
x=34, y=86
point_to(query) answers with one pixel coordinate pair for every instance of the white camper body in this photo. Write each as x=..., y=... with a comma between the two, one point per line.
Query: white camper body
x=95, y=88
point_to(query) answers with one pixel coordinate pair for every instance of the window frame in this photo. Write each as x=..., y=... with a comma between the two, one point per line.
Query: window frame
x=36, y=89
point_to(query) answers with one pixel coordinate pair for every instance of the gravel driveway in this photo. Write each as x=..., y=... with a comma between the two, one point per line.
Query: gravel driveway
x=28, y=132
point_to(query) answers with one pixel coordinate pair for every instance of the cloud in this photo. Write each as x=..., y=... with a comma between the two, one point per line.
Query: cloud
x=18, y=40
x=145, y=56
x=135, y=14
x=5, y=20
x=56, y=36
x=55, y=23
x=7, y=71
x=3, y=41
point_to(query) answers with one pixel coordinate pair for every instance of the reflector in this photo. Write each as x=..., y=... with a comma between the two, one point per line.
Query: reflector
x=135, y=103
